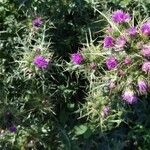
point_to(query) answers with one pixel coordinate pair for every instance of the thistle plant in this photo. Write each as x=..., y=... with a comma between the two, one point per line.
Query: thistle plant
x=122, y=74
x=99, y=99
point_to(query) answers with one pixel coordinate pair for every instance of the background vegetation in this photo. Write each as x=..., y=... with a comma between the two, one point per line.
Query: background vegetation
x=48, y=109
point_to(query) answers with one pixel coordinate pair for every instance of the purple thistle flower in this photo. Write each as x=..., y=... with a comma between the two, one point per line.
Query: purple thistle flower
x=120, y=42
x=143, y=87
x=108, y=42
x=145, y=28
x=119, y=16
x=77, y=58
x=127, y=60
x=132, y=31
x=37, y=22
x=146, y=66
x=111, y=63
x=146, y=50
x=105, y=111
x=40, y=62
x=129, y=97
x=13, y=128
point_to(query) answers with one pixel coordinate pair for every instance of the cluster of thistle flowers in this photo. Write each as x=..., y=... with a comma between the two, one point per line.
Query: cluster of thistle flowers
x=124, y=42
x=39, y=61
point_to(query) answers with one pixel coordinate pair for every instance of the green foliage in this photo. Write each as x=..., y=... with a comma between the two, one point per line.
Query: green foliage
x=60, y=107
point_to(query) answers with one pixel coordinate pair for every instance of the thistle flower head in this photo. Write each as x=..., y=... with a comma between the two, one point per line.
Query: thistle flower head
x=120, y=42
x=105, y=111
x=127, y=60
x=145, y=28
x=142, y=86
x=129, y=97
x=146, y=50
x=77, y=58
x=108, y=42
x=132, y=31
x=120, y=16
x=146, y=66
x=111, y=62
x=40, y=62
x=37, y=22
